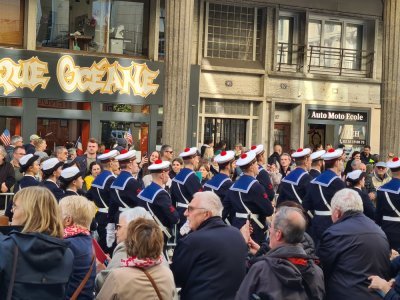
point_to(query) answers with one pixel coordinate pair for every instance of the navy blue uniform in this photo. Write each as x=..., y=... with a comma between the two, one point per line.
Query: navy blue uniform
x=324, y=187
x=294, y=186
x=248, y=191
x=183, y=187
x=369, y=208
x=54, y=188
x=388, y=211
x=124, y=191
x=100, y=194
x=314, y=173
x=264, y=179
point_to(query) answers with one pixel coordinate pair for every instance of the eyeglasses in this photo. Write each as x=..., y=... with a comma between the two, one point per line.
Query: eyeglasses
x=191, y=208
x=381, y=168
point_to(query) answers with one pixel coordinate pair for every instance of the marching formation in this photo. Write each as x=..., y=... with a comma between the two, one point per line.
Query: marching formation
x=215, y=224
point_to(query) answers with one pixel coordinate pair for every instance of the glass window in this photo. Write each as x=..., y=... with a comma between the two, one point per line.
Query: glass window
x=59, y=104
x=143, y=109
x=13, y=124
x=314, y=33
x=285, y=40
x=354, y=37
x=10, y=102
x=12, y=22
x=161, y=33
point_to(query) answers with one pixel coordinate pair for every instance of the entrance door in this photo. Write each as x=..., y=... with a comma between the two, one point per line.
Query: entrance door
x=231, y=131
x=282, y=135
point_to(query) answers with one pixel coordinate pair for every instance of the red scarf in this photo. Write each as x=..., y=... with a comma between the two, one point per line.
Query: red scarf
x=134, y=261
x=74, y=230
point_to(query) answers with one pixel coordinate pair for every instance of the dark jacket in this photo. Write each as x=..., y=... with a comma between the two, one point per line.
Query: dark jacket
x=29, y=149
x=210, y=263
x=81, y=246
x=43, y=268
x=275, y=277
x=274, y=158
x=350, y=250
x=369, y=208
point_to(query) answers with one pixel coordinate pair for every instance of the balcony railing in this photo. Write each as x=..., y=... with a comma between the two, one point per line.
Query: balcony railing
x=325, y=60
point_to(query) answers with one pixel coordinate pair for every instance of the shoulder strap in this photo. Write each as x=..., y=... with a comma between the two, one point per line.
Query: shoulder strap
x=14, y=271
x=153, y=283
x=252, y=216
x=391, y=204
x=323, y=198
x=83, y=282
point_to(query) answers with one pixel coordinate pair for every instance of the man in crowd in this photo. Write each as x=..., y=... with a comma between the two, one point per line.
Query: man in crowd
x=61, y=153
x=18, y=152
x=210, y=262
x=352, y=249
x=276, y=156
x=16, y=141
x=317, y=164
x=263, y=177
x=285, y=272
x=285, y=161
x=166, y=153
x=366, y=156
x=85, y=160
x=376, y=179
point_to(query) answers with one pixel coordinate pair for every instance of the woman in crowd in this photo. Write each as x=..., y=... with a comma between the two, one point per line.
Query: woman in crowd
x=356, y=155
x=144, y=245
x=204, y=170
x=71, y=181
x=120, y=250
x=177, y=166
x=146, y=162
x=7, y=176
x=36, y=261
x=94, y=170
x=77, y=213
x=40, y=147
x=51, y=169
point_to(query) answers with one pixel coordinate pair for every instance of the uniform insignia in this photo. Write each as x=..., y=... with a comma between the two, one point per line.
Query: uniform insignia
x=243, y=184
x=295, y=176
x=217, y=181
x=393, y=186
x=325, y=179
x=150, y=192
x=183, y=175
x=101, y=179
x=122, y=180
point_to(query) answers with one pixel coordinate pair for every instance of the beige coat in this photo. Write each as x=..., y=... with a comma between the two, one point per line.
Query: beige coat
x=131, y=283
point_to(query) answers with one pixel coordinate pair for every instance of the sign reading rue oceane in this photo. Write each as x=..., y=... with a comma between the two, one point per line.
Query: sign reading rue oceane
x=333, y=115
x=51, y=75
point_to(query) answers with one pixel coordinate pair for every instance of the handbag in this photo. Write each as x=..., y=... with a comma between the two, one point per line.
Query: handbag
x=153, y=283
x=83, y=282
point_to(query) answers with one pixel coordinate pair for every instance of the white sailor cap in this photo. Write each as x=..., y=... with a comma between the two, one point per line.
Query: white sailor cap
x=332, y=154
x=317, y=155
x=188, y=152
x=51, y=164
x=355, y=176
x=108, y=155
x=301, y=152
x=257, y=149
x=126, y=155
x=381, y=164
x=394, y=163
x=224, y=157
x=246, y=158
x=70, y=174
x=159, y=165
x=26, y=161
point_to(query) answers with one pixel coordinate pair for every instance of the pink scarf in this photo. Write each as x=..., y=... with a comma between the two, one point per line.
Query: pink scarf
x=134, y=261
x=75, y=230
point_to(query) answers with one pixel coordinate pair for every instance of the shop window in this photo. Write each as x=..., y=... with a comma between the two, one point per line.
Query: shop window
x=59, y=104
x=103, y=26
x=10, y=102
x=233, y=32
x=12, y=124
x=12, y=22
x=161, y=31
x=231, y=131
x=142, y=109
x=227, y=107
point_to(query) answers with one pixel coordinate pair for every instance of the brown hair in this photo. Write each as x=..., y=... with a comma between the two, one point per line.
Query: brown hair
x=144, y=239
x=41, y=210
x=93, y=141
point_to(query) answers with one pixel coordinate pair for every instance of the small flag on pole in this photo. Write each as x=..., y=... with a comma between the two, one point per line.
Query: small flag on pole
x=78, y=147
x=5, y=137
x=128, y=137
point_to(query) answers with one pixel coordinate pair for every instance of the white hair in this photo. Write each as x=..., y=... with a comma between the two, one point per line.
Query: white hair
x=135, y=213
x=347, y=200
x=211, y=202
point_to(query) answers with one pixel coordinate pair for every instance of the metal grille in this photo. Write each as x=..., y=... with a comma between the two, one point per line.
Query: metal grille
x=233, y=32
x=231, y=131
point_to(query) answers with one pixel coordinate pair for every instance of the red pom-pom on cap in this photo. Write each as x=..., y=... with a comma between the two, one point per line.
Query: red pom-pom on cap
x=158, y=161
x=253, y=147
x=395, y=159
x=107, y=151
x=331, y=150
x=223, y=153
x=123, y=151
x=300, y=150
x=187, y=149
x=243, y=156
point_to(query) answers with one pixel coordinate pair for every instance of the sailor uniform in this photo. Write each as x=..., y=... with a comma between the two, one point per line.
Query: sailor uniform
x=124, y=191
x=314, y=173
x=247, y=197
x=183, y=187
x=100, y=194
x=369, y=208
x=294, y=186
x=264, y=179
x=318, y=199
x=54, y=188
x=388, y=211
x=219, y=184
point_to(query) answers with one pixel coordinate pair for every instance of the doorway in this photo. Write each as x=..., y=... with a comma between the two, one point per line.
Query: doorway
x=282, y=135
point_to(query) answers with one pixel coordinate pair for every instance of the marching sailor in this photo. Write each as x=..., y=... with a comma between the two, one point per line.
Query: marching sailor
x=51, y=169
x=293, y=186
x=100, y=194
x=263, y=176
x=321, y=190
x=125, y=188
x=156, y=200
x=185, y=184
x=388, y=205
x=71, y=181
x=247, y=199
x=317, y=164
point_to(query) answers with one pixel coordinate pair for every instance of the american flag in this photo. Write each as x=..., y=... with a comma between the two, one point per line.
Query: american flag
x=128, y=137
x=78, y=147
x=5, y=137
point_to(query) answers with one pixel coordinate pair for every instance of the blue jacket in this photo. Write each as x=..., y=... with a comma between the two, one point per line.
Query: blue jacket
x=351, y=250
x=210, y=263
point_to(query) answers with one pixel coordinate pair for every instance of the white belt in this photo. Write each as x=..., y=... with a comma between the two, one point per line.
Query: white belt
x=103, y=210
x=244, y=216
x=123, y=208
x=179, y=204
x=393, y=219
x=323, y=213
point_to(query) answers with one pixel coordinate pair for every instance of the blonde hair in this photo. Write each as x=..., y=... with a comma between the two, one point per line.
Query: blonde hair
x=79, y=208
x=41, y=211
x=37, y=143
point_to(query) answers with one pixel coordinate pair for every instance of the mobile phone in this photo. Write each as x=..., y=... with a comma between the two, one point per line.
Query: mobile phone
x=145, y=154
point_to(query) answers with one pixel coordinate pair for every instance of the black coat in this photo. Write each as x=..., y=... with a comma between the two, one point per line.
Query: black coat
x=369, y=208
x=350, y=250
x=210, y=263
x=54, y=188
x=264, y=179
x=43, y=268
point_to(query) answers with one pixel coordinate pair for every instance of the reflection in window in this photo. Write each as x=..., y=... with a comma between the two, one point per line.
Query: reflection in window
x=285, y=39
x=143, y=109
x=12, y=124
x=59, y=104
x=10, y=102
x=354, y=36
x=12, y=22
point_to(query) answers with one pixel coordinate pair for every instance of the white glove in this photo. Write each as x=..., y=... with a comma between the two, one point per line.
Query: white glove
x=184, y=229
x=110, y=237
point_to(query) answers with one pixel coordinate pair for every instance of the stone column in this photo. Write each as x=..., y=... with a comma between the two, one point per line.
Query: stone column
x=178, y=30
x=390, y=94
